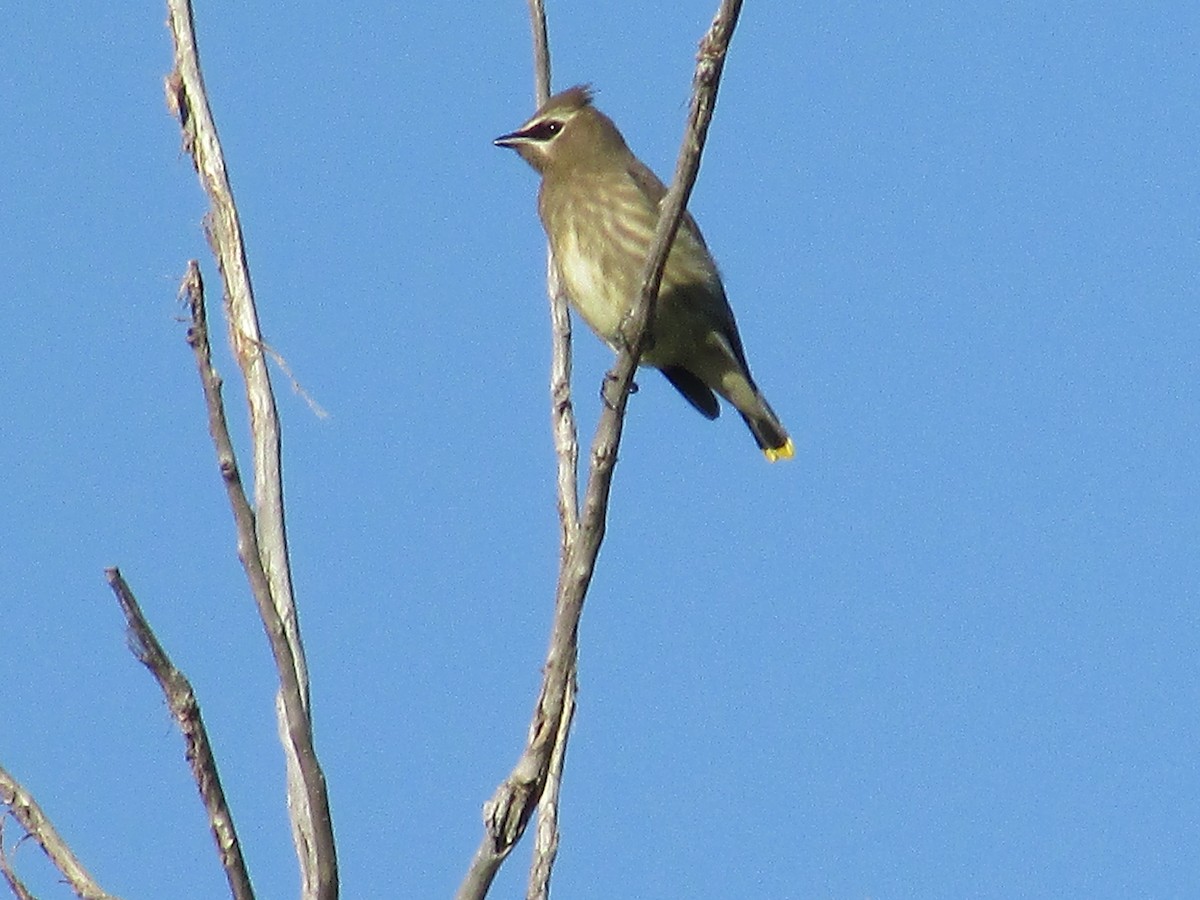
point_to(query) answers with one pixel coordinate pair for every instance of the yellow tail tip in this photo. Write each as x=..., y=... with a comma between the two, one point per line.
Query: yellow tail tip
x=774, y=454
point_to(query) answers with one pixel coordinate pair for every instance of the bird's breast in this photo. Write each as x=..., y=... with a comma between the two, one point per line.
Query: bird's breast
x=598, y=285
x=600, y=229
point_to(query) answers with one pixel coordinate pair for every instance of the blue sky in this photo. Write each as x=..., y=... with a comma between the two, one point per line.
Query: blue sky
x=947, y=651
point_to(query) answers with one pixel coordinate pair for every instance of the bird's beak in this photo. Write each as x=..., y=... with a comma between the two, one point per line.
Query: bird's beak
x=512, y=139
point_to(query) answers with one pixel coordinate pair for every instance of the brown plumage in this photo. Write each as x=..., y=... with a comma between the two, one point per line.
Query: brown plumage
x=599, y=205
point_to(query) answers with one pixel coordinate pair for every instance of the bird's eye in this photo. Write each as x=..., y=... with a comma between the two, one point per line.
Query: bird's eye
x=544, y=131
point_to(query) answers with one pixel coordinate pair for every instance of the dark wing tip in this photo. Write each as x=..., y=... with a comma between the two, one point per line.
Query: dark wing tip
x=696, y=391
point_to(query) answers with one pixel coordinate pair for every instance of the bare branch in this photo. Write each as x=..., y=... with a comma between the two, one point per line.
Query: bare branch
x=545, y=848
x=182, y=701
x=262, y=533
x=29, y=816
x=562, y=412
x=10, y=876
x=709, y=63
x=566, y=447
x=508, y=811
x=186, y=96
x=297, y=737
x=541, y=52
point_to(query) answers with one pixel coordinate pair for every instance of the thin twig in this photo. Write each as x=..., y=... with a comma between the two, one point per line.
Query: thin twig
x=709, y=63
x=541, y=52
x=508, y=811
x=262, y=530
x=566, y=448
x=562, y=412
x=186, y=710
x=545, y=845
x=298, y=736
x=29, y=816
x=316, y=408
x=10, y=876
x=189, y=102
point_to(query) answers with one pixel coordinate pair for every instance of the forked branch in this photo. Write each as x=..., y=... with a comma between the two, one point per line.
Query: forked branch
x=25, y=810
x=511, y=806
x=262, y=536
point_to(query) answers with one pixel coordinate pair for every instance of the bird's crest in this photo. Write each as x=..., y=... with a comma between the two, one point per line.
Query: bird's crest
x=570, y=100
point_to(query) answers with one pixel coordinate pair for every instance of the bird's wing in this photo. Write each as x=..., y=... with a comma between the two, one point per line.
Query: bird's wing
x=654, y=190
x=696, y=391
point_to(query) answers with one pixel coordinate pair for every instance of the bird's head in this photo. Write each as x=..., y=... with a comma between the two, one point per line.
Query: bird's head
x=567, y=132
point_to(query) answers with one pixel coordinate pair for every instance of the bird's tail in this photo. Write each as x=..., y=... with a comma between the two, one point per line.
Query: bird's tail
x=768, y=431
x=738, y=388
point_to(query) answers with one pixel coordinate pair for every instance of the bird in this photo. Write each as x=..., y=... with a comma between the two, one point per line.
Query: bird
x=599, y=205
